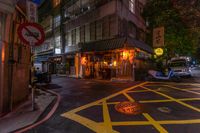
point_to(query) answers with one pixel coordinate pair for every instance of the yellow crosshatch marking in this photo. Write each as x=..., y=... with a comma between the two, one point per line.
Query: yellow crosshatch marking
x=106, y=126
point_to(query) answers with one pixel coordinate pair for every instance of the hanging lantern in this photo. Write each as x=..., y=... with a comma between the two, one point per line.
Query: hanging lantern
x=83, y=61
x=125, y=54
x=115, y=63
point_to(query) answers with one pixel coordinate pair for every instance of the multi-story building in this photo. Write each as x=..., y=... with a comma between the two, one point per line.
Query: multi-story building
x=14, y=57
x=104, y=38
x=47, y=56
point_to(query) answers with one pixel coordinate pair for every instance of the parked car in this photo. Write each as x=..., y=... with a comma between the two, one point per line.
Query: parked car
x=181, y=66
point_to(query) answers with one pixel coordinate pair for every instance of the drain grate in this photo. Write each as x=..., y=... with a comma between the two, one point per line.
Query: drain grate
x=129, y=108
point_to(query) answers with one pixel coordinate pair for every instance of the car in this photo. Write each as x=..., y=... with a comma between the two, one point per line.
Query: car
x=180, y=66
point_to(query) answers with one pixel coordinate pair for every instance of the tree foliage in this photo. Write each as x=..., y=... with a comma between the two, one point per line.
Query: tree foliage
x=177, y=40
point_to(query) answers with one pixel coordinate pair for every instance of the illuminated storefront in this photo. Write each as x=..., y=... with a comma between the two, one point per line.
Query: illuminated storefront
x=112, y=59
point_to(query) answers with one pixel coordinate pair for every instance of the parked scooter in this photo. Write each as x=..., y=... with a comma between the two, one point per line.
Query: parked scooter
x=157, y=75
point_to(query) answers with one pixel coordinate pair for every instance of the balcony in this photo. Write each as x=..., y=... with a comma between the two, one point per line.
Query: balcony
x=100, y=10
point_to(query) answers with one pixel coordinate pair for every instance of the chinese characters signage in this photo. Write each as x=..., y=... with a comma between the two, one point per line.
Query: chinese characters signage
x=158, y=37
x=32, y=11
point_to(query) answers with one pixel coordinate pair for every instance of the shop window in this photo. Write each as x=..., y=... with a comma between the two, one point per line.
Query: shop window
x=56, y=3
x=132, y=6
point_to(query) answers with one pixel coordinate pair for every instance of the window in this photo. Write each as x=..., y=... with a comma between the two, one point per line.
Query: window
x=57, y=45
x=69, y=38
x=132, y=6
x=56, y=3
x=57, y=41
x=92, y=31
x=99, y=30
x=56, y=21
x=82, y=34
x=74, y=37
x=87, y=32
x=77, y=35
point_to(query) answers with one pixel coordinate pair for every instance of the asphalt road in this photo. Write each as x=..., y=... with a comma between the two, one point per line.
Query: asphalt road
x=166, y=107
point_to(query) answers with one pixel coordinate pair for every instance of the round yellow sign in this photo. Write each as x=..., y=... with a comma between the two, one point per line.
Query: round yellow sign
x=158, y=51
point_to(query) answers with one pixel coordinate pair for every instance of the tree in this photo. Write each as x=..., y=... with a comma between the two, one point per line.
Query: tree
x=177, y=40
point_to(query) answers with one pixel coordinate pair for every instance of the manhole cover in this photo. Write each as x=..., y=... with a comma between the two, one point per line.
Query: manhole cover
x=164, y=109
x=130, y=108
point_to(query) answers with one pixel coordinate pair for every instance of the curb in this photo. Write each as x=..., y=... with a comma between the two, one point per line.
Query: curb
x=24, y=129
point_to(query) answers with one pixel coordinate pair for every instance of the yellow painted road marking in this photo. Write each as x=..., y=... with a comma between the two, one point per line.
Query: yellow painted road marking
x=148, y=117
x=97, y=127
x=86, y=122
x=172, y=83
x=155, y=124
x=180, y=121
x=128, y=123
x=128, y=97
x=182, y=89
x=106, y=126
x=106, y=98
x=106, y=117
x=176, y=100
x=155, y=101
x=189, y=99
x=192, y=88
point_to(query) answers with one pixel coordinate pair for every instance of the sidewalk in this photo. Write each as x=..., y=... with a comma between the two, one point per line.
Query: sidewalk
x=24, y=116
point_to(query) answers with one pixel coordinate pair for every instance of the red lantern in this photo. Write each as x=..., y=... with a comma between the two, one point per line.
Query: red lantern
x=83, y=61
x=125, y=54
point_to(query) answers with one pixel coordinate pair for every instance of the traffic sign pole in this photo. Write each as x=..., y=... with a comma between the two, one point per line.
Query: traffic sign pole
x=32, y=77
x=31, y=34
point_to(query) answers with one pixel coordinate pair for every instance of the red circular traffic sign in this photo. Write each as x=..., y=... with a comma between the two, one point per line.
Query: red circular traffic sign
x=31, y=33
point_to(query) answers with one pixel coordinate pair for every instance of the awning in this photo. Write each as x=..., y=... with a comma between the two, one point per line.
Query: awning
x=115, y=43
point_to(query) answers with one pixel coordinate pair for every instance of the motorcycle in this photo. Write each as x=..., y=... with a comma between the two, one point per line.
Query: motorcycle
x=157, y=75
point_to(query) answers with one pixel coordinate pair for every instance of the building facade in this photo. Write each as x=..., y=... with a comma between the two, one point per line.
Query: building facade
x=105, y=39
x=102, y=39
x=14, y=58
x=47, y=55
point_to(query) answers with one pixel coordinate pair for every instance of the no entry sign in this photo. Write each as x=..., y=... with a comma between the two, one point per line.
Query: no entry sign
x=31, y=33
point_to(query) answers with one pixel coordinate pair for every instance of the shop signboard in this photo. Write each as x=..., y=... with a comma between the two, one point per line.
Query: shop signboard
x=158, y=37
x=32, y=13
